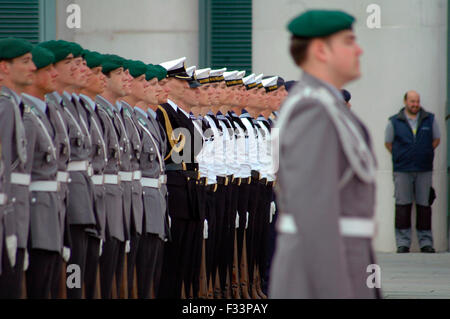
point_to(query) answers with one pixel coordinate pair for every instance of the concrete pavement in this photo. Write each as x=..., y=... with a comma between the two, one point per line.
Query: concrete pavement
x=415, y=275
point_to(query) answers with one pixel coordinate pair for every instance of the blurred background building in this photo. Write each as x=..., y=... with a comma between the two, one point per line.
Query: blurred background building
x=408, y=51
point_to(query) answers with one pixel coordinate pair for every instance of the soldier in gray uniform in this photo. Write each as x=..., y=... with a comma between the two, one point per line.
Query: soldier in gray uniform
x=154, y=189
x=80, y=212
x=16, y=71
x=95, y=85
x=116, y=79
x=326, y=175
x=137, y=70
x=46, y=242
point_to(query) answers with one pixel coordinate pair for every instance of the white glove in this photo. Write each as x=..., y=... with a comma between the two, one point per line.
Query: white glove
x=100, y=248
x=205, y=229
x=26, y=260
x=11, y=247
x=236, y=225
x=170, y=222
x=66, y=254
x=246, y=221
x=273, y=208
x=127, y=246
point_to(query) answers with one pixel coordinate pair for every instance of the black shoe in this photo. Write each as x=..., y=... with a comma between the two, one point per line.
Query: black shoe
x=402, y=249
x=427, y=249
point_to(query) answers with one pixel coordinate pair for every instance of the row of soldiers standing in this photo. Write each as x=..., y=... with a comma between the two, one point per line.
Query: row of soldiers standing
x=144, y=180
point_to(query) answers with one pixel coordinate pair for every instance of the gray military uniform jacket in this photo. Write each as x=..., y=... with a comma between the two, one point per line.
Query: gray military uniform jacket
x=19, y=220
x=326, y=193
x=99, y=159
x=115, y=226
x=45, y=226
x=152, y=166
x=62, y=144
x=80, y=199
x=6, y=145
x=137, y=209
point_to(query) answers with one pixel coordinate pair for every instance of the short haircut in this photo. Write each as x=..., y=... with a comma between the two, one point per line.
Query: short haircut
x=298, y=48
x=405, y=97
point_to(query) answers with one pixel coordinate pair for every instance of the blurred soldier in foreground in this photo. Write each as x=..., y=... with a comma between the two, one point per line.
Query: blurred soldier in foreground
x=324, y=245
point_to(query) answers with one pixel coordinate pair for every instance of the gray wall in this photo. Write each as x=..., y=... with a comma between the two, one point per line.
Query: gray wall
x=407, y=52
x=151, y=30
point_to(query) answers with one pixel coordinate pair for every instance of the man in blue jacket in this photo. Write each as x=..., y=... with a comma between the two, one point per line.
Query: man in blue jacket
x=411, y=136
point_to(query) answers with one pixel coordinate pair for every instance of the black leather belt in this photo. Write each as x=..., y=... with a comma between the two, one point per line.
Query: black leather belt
x=222, y=180
x=236, y=181
x=202, y=181
x=255, y=175
x=211, y=188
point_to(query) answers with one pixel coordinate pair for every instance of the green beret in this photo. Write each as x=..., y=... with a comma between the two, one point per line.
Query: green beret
x=136, y=68
x=320, y=23
x=151, y=72
x=93, y=59
x=160, y=72
x=111, y=62
x=42, y=57
x=76, y=49
x=11, y=48
x=60, y=48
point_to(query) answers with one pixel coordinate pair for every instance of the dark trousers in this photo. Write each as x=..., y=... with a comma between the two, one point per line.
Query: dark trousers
x=148, y=258
x=210, y=211
x=131, y=260
x=41, y=268
x=262, y=239
x=252, y=230
x=174, y=260
x=11, y=277
x=91, y=270
x=55, y=288
x=79, y=239
x=108, y=265
x=242, y=208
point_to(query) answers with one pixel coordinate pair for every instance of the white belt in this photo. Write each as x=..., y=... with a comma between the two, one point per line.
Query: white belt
x=97, y=179
x=126, y=176
x=357, y=227
x=62, y=177
x=349, y=226
x=90, y=170
x=3, y=198
x=150, y=182
x=78, y=166
x=44, y=186
x=111, y=179
x=21, y=179
x=137, y=175
x=163, y=179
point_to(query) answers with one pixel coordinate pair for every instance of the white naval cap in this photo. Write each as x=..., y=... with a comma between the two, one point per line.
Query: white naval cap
x=174, y=64
x=233, y=78
x=216, y=75
x=249, y=81
x=190, y=71
x=202, y=75
x=240, y=75
x=270, y=83
x=229, y=76
x=258, y=79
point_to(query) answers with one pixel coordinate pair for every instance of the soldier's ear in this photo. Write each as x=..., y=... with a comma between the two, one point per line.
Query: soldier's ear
x=4, y=67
